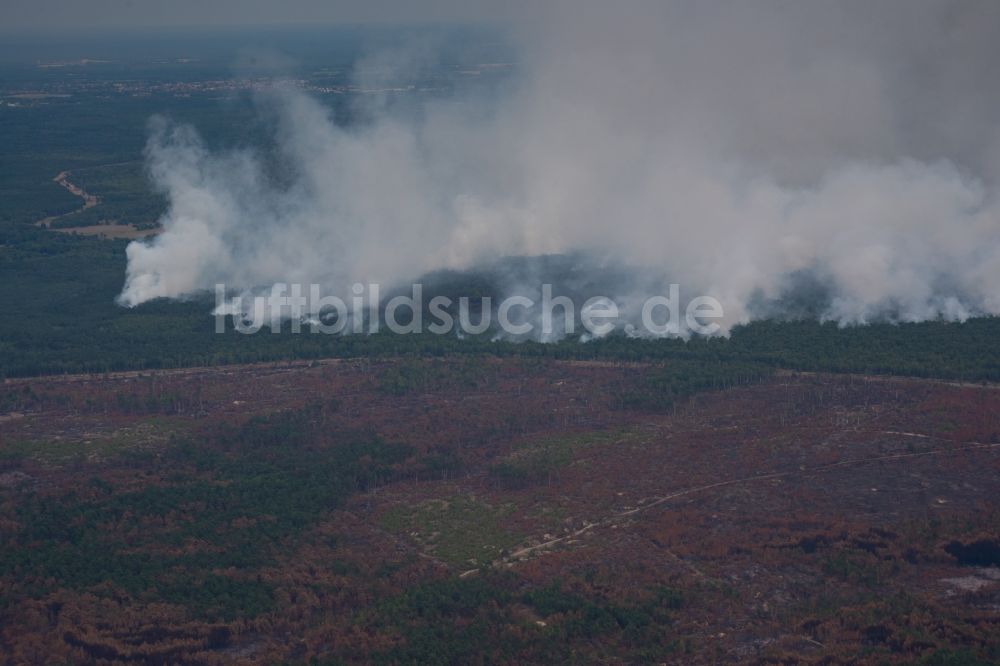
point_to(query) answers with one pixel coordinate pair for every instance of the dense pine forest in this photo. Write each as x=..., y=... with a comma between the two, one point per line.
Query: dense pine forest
x=60, y=317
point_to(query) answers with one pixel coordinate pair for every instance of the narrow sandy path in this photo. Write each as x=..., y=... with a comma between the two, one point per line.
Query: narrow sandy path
x=651, y=502
x=89, y=200
x=110, y=231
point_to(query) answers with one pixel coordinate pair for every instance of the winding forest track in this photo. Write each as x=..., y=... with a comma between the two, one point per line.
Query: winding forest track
x=89, y=200
x=111, y=230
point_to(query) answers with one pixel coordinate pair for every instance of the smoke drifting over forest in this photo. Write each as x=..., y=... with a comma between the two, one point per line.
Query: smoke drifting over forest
x=742, y=150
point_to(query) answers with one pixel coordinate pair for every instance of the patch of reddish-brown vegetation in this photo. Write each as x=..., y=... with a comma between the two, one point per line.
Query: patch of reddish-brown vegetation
x=806, y=518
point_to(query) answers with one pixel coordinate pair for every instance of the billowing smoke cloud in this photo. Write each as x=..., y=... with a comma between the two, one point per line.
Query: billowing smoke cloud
x=732, y=148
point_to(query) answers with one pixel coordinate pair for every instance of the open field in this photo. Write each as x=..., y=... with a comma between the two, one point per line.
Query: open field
x=110, y=231
x=514, y=510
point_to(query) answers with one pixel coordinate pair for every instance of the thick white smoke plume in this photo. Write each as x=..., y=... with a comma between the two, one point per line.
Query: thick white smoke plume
x=727, y=147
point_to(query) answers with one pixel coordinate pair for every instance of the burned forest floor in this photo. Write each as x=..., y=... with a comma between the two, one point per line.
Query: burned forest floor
x=482, y=510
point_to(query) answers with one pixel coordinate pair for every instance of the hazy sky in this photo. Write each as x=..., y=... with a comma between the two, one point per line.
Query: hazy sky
x=63, y=14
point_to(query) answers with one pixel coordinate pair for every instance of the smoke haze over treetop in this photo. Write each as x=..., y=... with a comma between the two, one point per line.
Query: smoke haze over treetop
x=728, y=147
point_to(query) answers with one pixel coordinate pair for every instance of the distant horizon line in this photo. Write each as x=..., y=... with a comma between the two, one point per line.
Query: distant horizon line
x=8, y=31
